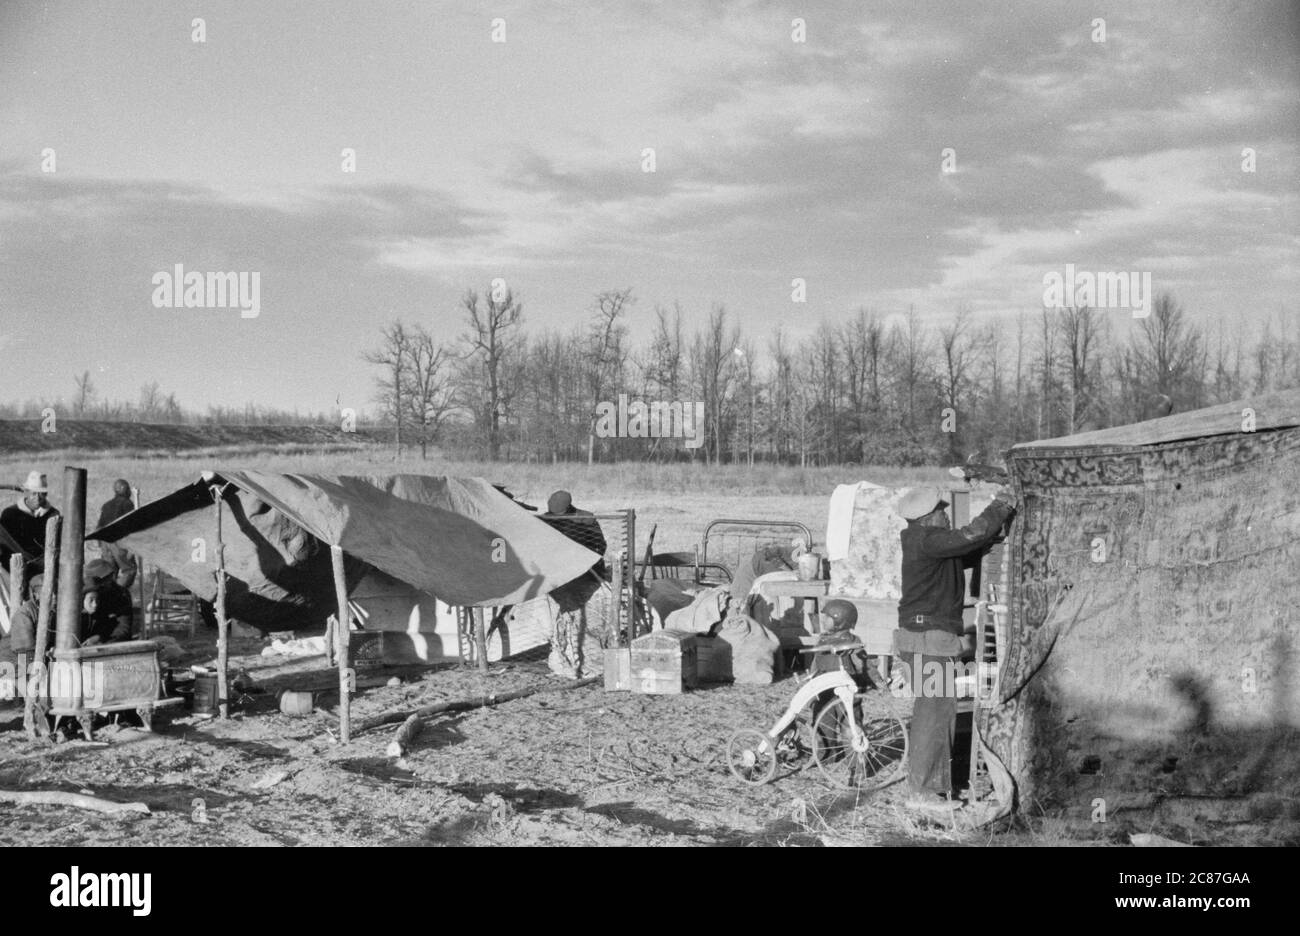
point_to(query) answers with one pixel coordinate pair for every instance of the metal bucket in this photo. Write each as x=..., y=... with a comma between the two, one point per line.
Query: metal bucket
x=206, y=695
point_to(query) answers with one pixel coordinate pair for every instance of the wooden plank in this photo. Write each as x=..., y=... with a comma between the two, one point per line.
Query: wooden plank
x=815, y=589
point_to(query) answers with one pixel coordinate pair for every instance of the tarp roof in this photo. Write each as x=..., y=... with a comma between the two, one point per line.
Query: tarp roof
x=1279, y=410
x=458, y=539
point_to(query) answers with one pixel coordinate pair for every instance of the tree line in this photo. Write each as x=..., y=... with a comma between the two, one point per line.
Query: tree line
x=157, y=407
x=862, y=391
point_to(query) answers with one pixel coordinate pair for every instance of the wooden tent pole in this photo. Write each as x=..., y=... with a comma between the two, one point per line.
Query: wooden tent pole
x=223, y=623
x=342, y=638
x=139, y=571
x=72, y=560
x=37, y=727
x=629, y=573
x=480, y=639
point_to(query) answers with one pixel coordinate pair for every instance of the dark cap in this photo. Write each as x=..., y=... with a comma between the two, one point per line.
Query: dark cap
x=97, y=572
x=561, y=502
x=122, y=488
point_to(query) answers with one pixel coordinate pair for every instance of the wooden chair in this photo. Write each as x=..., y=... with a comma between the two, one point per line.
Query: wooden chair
x=171, y=606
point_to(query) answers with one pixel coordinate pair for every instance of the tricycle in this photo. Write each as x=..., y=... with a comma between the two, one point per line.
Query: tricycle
x=865, y=751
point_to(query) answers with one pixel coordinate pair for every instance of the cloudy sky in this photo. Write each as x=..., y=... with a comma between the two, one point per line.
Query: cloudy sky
x=774, y=159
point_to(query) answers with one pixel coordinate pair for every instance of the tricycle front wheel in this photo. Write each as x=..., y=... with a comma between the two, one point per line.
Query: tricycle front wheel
x=751, y=755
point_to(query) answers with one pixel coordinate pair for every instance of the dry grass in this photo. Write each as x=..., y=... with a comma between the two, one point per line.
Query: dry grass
x=680, y=498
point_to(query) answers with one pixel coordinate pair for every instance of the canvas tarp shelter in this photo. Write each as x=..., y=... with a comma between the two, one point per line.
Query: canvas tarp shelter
x=1154, y=611
x=457, y=539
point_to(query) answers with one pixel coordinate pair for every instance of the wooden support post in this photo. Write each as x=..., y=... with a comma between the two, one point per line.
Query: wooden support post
x=72, y=560
x=36, y=682
x=17, y=576
x=629, y=574
x=223, y=623
x=480, y=640
x=140, y=577
x=342, y=632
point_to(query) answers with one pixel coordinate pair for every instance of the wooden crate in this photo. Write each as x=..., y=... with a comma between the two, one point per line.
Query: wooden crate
x=664, y=662
x=618, y=670
x=366, y=649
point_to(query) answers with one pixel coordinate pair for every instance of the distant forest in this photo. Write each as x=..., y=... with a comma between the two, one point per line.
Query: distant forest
x=859, y=392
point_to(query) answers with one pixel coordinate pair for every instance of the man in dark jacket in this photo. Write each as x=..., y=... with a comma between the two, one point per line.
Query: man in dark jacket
x=25, y=523
x=929, y=636
x=124, y=566
x=581, y=526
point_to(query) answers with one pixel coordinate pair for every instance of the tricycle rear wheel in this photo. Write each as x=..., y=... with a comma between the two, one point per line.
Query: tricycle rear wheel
x=881, y=760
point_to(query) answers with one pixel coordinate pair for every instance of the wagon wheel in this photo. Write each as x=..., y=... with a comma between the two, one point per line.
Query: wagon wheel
x=881, y=760
x=752, y=756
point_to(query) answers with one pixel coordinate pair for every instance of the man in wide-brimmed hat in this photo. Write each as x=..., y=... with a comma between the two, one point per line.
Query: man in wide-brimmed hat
x=569, y=612
x=25, y=523
x=928, y=641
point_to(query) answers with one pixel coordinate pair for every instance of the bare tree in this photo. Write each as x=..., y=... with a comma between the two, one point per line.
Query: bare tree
x=428, y=390
x=958, y=361
x=1048, y=398
x=713, y=360
x=1169, y=354
x=781, y=395
x=151, y=401
x=863, y=343
x=392, y=355
x=607, y=354
x=1081, y=335
x=85, y=394
x=489, y=375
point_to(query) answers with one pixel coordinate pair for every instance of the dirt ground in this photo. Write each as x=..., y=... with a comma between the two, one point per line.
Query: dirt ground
x=564, y=766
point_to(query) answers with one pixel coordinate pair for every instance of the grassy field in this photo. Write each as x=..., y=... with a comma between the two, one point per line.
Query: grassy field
x=679, y=498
